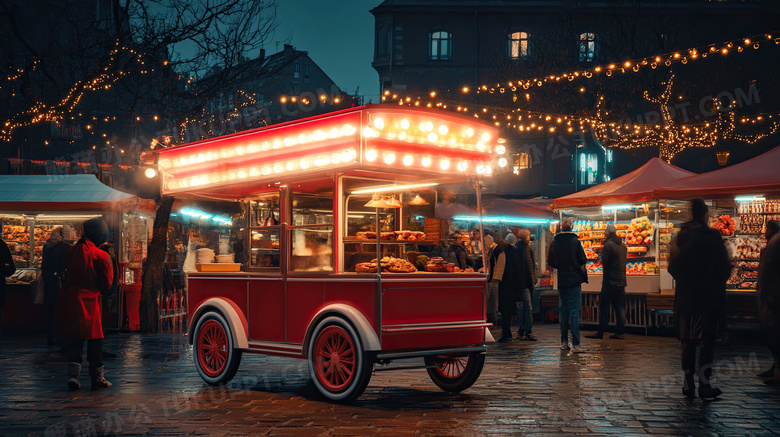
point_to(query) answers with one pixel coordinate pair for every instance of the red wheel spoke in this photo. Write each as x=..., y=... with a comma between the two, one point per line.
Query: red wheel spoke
x=212, y=346
x=335, y=358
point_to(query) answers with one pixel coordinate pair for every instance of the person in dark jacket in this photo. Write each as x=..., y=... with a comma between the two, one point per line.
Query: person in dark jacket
x=568, y=257
x=7, y=268
x=88, y=274
x=613, y=284
x=491, y=303
x=525, y=262
x=459, y=250
x=768, y=297
x=700, y=264
x=508, y=288
x=52, y=266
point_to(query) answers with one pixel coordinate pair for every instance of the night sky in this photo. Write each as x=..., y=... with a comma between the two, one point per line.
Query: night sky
x=339, y=36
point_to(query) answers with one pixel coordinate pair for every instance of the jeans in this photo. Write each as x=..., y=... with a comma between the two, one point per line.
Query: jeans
x=492, y=298
x=570, y=301
x=524, y=317
x=94, y=352
x=615, y=297
x=706, y=351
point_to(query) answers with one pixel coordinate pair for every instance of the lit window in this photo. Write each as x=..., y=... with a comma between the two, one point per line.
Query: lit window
x=441, y=46
x=518, y=45
x=588, y=47
x=589, y=168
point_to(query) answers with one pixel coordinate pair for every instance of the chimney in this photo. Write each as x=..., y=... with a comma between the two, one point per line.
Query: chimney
x=261, y=55
x=288, y=51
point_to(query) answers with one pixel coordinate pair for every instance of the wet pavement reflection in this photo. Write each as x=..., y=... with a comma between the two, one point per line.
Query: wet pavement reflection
x=619, y=387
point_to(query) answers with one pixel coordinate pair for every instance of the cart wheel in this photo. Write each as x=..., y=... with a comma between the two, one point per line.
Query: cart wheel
x=215, y=358
x=455, y=373
x=338, y=364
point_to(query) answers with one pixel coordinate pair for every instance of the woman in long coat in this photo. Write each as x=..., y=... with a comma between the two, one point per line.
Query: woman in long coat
x=700, y=264
x=88, y=273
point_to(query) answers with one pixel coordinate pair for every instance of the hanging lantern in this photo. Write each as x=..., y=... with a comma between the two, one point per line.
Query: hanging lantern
x=723, y=158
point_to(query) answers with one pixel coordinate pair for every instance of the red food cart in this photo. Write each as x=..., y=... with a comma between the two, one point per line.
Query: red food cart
x=324, y=277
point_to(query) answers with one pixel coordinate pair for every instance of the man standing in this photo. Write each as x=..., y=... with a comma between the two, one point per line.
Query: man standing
x=492, y=294
x=507, y=289
x=613, y=284
x=526, y=265
x=768, y=288
x=568, y=257
x=7, y=268
x=700, y=264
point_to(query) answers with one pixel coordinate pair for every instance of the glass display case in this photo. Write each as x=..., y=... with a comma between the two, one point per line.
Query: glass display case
x=264, y=233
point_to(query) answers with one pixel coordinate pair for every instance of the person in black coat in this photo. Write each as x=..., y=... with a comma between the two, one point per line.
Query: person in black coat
x=508, y=288
x=613, y=284
x=768, y=297
x=568, y=257
x=700, y=264
x=525, y=265
x=52, y=268
x=7, y=268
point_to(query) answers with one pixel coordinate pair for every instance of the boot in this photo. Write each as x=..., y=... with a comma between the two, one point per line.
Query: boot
x=767, y=373
x=74, y=369
x=689, y=389
x=773, y=378
x=98, y=381
x=706, y=391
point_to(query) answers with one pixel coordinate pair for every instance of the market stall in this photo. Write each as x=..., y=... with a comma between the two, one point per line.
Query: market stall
x=31, y=206
x=742, y=198
x=629, y=203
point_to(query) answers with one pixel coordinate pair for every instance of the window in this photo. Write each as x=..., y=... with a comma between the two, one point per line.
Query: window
x=264, y=233
x=518, y=45
x=105, y=13
x=297, y=71
x=383, y=43
x=311, y=232
x=441, y=46
x=589, y=168
x=588, y=47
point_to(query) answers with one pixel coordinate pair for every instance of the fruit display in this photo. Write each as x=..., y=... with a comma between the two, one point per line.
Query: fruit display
x=723, y=224
x=595, y=267
x=639, y=232
x=589, y=254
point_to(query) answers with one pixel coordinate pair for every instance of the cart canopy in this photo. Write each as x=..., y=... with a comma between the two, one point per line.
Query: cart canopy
x=759, y=175
x=57, y=192
x=400, y=143
x=634, y=187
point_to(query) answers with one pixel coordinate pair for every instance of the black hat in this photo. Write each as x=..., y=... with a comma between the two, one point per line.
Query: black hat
x=96, y=230
x=699, y=209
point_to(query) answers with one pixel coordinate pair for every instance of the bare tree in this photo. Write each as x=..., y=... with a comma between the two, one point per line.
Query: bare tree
x=115, y=59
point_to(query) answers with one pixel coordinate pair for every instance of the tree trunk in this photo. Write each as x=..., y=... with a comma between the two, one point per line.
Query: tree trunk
x=152, y=283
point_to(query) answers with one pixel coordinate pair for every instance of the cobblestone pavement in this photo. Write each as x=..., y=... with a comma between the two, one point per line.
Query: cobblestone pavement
x=619, y=387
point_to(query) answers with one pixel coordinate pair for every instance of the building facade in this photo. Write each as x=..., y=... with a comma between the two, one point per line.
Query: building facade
x=436, y=47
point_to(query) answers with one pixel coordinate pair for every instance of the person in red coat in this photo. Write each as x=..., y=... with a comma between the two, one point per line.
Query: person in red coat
x=88, y=273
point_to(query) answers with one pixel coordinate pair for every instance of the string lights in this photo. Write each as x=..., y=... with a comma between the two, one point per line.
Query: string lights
x=612, y=69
